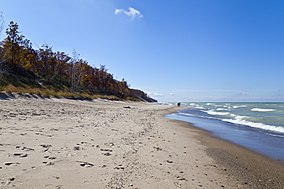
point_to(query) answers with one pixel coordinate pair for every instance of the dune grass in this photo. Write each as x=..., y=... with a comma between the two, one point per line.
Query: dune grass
x=54, y=93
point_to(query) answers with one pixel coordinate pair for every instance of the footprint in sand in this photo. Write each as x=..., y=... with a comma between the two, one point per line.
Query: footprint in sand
x=86, y=164
x=50, y=163
x=21, y=155
x=10, y=163
x=46, y=147
x=25, y=148
x=106, y=152
x=76, y=148
x=119, y=167
x=181, y=178
x=50, y=157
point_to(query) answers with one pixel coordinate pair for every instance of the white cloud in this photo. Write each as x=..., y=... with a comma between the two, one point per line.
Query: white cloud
x=130, y=12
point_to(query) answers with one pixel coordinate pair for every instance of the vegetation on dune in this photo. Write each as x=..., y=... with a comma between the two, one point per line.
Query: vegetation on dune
x=42, y=71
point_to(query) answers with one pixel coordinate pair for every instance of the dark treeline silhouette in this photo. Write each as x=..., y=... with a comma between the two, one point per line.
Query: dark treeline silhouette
x=44, y=68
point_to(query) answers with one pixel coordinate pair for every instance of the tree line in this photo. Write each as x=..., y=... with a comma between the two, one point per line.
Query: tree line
x=59, y=70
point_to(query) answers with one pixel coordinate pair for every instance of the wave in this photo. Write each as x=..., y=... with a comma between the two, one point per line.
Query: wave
x=262, y=110
x=211, y=112
x=281, y=136
x=241, y=106
x=181, y=113
x=238, y=120
x=198, y=116
x=222, y=109
x=199, y=107
x=241, y=117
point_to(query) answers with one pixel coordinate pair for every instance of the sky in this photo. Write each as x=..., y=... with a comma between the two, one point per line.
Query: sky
x=185, y=50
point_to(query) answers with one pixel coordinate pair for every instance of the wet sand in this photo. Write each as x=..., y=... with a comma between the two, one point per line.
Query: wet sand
x=58, y=143
x=253, y=169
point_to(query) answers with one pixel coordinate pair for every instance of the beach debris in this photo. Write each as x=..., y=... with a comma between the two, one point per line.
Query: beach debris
x=128, y=107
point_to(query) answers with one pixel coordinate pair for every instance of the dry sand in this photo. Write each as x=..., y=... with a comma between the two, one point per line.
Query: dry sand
x=57, y=143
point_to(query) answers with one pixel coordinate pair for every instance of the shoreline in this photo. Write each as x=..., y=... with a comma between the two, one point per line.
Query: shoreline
x=255, y=169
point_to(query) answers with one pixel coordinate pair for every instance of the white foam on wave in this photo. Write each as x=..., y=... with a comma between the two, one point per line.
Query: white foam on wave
x=275, y=135
x=240, y=117
x=215, y=105
x=222, y=109
x=199, y=107
x=262, y=110
x=185, y=114
x=239, y=120
x=241, y=106
x=211, y=112
x=198, y=116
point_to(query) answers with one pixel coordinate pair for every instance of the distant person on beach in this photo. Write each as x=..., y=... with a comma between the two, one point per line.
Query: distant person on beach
x=178, y=104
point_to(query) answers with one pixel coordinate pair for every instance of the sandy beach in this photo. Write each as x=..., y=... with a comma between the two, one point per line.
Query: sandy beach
x=59, y=143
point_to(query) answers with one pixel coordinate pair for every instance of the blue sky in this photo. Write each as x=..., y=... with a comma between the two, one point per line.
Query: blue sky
x=185, y=50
